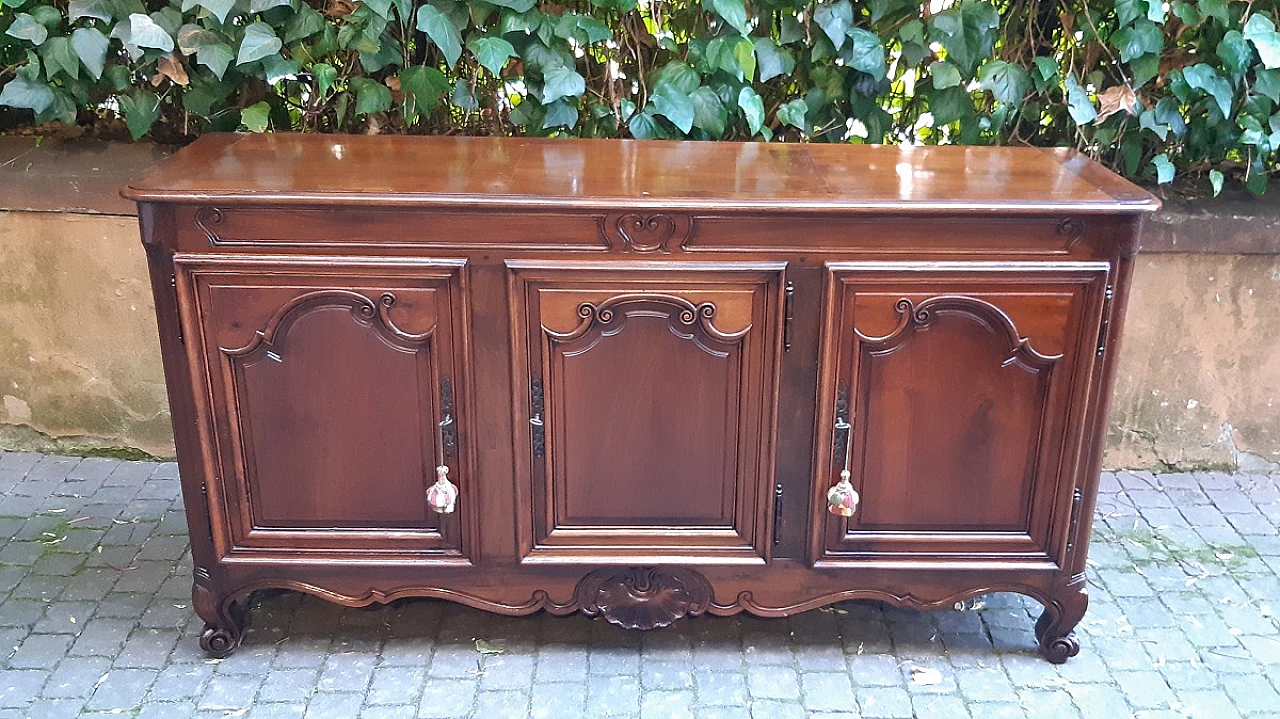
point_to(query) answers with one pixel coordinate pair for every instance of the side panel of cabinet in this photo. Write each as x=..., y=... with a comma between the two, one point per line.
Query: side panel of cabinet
x=645, y=428
x=954, y=394
x=333, y=388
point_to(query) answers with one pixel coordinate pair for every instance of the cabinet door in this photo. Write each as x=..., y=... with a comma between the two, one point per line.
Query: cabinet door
x=646, y=424
x=336, y=387
x=953, y=392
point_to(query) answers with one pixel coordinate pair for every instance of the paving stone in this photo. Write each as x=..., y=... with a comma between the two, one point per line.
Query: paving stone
x=230, y=692
x=507, y=671
x=875, y=670
x=773, y=682
x=662, y=704
x=39, y=651
x=20, y=687
x=180, y=682
x=447, y=697
x=122, y=689
x=396, y=685
x=502, y=704
x=617, y=695
x=776, y=710
x=939, y=707
x=75, y=677
x=1206, y=704
x=554, y=700
x=885, y=702
x=720, y=688
x=288, y=685
x=827, y=691
x=1251, y=693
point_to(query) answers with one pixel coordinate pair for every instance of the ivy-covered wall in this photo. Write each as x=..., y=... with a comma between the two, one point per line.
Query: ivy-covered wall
x=1152, y=88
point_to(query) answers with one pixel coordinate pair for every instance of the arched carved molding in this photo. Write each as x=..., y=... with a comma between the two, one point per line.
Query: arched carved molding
x=539, y=600
x=365, y=311
x=645, y=233
x=912, y=317
x=687, y=320
x=208, y=218
x=644, y=597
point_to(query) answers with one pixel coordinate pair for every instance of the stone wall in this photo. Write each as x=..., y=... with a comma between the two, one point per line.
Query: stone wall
x=1198, y=386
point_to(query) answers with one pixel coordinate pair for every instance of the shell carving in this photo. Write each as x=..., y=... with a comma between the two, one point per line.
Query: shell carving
x=644, y=597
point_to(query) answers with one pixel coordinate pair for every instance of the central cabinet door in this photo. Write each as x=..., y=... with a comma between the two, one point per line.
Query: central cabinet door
x=645, y=409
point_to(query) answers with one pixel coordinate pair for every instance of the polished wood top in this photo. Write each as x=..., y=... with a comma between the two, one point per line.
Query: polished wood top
x=468, y=171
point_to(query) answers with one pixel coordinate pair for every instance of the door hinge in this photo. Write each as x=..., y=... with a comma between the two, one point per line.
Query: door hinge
x=1106, y=320
x=177, y=317
x=538, y=426
x=788, y=314
x=777, y=514
x=208, y=519
x=1076, y=500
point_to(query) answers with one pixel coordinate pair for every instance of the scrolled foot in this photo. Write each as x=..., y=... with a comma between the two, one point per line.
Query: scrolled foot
x=219, y=642
x=223, y=621
x=1058, y=649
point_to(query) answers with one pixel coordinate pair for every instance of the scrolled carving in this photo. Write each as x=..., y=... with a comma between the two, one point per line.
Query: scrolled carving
x=687, y=313
x=363, y=309
x=208, y=218
x=644, y=597
x=224, y=621
x=912, y=316
x=634, y=232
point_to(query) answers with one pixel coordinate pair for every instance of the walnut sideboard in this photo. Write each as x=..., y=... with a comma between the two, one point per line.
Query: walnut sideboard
x=641, y=380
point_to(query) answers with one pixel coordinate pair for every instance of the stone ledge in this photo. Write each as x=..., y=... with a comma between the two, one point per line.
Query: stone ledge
x=85, y=176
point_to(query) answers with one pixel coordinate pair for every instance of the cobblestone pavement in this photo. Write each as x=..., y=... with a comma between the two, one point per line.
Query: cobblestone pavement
x=95, y=621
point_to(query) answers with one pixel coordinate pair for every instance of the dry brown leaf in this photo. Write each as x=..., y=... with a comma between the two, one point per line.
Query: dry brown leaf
x=339, y=8
x=1114, y=99
x=170, y=66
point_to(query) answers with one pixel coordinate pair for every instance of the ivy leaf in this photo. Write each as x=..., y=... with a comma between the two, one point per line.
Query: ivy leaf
x=1262, y=33
x=519, y=6
x=752, y=106
x=491, y=52
x=1079, y=106
x=1268, y=83
x=792, y=113
x=733, y=12
x=98, y=9
x=1235, y=53
x=26, y=27
x=423, y=83
x=442, y=32
x=1155, y=11
x=193, y=37
x=326, y=75
x=644, y=126
x=1128, y=10
x=1186, y=12
x=772, y=60
x=304, y=23
x=256, y=116
x=744, y=56
x=381, y=7
x=1216, y=9
x=265, y=5
x=144, y=32
x=259, y=41
x=371, y=96
x=1203, y=77
x=1008, y=82
x=141, y=109
x=23, y=93
x=219, y=8
x=709, y=112
x=59, y=56
x=1215, y=179
x=678, y=75
x=1164, y=168
x=91, y=47
x=1047, y=67
x=276, y=68
x=950, y=105
x=835, y=19
x=674, y=105
x=1139, y=39
x=560, y=113
x=867, y=53
x=944, y=74
x=967, y=32
x=216, y=58
x=561, y=82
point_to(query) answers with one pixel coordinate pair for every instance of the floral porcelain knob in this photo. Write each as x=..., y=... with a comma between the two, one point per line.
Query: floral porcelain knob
x=443, y=495
x=842, y=499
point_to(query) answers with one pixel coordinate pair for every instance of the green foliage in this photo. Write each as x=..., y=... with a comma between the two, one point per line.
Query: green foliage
x=1154, y=90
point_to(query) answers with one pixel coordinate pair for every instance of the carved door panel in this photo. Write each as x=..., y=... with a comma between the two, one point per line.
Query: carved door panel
x=647, y=418
x=336, y=386
x=954, y=395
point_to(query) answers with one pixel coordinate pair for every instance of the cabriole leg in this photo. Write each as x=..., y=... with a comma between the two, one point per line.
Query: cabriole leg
x=1054, y=627
x=223, y=621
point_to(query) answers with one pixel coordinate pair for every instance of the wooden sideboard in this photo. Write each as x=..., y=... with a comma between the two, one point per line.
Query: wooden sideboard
x=644, y=368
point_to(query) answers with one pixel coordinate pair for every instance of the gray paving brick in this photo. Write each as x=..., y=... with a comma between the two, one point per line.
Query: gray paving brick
x=103, y=637
x=39, y=651
x=827, y=691
x=1251, y=693
x=557, y=699
x=773, y=682
x=885, y=702
x=334, y=705
x=1206, y=704
x=396, y=685
x=288, y=685
x=776, y=710
x=502, y=704
x=122, y=689
x=447, y=697
x=180, y=682
x=666, y=704
x=20, y=687
x=875, y=670
x=229, y=692
x=616, y=695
